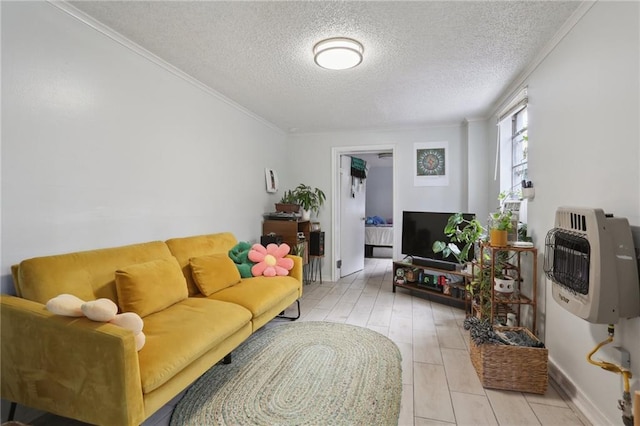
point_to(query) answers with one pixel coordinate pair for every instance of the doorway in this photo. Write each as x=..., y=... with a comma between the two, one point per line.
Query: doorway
x=348, y=230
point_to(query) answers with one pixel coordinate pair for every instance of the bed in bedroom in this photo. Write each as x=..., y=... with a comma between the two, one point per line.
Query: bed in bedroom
x=377, y=235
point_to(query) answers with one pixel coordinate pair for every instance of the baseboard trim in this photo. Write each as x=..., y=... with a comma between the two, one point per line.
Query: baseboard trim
x=576, y=396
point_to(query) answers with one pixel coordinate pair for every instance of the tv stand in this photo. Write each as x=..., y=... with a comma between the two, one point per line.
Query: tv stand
x=434, y=263
x=452, y=293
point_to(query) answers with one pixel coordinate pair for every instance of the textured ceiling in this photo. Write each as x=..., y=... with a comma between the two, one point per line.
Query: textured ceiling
x=425, y=62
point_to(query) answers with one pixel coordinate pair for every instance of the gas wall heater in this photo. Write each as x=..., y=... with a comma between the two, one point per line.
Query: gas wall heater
x=591, y=259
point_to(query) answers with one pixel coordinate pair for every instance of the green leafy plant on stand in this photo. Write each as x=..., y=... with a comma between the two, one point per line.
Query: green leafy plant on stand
x=481, y=285
x=288, y=203
x=499, y=226
x=501, y=220
x=298, y=249
x=288, y=197
x=522, y=233
x=509, y=195
x=310, y=199
x=463, y=234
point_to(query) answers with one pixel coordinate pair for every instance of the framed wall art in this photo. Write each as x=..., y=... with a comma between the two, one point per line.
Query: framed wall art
x=271, y=179
x=431, y=164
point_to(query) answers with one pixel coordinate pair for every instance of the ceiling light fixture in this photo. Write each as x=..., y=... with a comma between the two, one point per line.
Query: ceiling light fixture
x=338, y=53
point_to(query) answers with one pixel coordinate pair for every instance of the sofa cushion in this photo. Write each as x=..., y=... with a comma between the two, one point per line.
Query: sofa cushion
x=184, y=332
x=200, y=245
x=214, y=272
x=151, y=286
x=258, y=294
x=87, y=274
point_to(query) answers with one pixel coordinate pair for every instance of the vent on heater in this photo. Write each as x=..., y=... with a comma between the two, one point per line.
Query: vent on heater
x=571, y=220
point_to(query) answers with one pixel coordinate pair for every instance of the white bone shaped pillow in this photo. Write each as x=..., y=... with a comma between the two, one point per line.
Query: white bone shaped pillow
x=100, y=310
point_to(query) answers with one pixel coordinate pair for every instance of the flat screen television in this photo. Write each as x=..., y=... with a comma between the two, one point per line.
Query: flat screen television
x=421, y=229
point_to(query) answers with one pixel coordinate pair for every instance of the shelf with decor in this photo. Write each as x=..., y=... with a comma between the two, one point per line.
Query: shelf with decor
x=439, y=285
x=294, y=232
x=289, y=230
x=495, y=300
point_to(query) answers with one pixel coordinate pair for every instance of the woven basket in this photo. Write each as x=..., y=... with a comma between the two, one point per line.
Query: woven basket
x=515, y=368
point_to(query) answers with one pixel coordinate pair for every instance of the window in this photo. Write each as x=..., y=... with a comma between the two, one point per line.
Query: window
x=513, y=148
x=519, y=145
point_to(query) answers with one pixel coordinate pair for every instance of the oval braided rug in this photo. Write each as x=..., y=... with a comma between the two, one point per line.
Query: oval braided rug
x=305, y=373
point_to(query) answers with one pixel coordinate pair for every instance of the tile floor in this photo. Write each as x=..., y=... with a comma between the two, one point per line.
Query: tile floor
x=440, y=385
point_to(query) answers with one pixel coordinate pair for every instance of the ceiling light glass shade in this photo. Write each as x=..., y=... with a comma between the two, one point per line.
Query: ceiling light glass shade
x=338, y=53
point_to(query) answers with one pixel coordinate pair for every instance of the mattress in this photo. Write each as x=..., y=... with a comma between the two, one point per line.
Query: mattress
x=378, y=235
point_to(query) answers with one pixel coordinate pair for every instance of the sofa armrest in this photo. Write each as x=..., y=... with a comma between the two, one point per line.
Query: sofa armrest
x=72, y=367
x=296, y=271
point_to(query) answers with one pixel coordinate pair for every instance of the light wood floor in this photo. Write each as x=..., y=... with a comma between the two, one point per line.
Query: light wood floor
x=440, y=385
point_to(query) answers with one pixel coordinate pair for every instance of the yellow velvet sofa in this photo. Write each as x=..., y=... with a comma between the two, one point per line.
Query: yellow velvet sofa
x=91, y=371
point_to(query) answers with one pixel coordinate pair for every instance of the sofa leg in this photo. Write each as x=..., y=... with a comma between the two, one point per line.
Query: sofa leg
x=292, y=318
x=227, y=359
x=12, y=411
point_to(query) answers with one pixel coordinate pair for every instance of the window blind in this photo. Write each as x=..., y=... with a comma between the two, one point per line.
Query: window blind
x=517, y=103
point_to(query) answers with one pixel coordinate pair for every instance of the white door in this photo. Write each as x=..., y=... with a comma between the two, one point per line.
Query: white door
x=352, y=217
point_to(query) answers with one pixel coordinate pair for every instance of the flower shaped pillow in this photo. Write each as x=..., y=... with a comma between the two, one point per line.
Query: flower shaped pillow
x=270, y=260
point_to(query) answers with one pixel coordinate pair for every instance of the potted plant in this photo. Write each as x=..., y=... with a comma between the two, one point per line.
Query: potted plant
x=288, y=203
x=310, y=199
x=464, y=234
x=509, y=195
x=504, y=284
x=522, y=233
x=480, y=294
x=499, y=226
x=460, y=231
x=482, y=284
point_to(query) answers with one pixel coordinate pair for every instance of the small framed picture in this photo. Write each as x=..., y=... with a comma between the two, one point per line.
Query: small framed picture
x=431, y=164
x=271, y=179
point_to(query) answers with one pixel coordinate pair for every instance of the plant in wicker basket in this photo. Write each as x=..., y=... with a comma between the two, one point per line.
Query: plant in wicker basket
x=481, y=332
x=507, y=358
x=288, y=203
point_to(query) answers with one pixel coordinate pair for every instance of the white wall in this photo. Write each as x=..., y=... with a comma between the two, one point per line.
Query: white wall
x=480, y=168
x=584, y=150
x=310, y=156
x=102, y=147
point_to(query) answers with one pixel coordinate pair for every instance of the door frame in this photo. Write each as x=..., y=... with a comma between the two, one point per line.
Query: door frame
x=336, y=152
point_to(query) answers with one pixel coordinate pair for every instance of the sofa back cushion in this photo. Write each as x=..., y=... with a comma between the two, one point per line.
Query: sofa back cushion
x=88, y=275
x=149, y=287
x=187, y=248
x=214, y=272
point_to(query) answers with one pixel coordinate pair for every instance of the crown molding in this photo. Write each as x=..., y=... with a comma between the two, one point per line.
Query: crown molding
x=519, y=82
x=141, y=51
x=475, y=119
x=381, y=129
